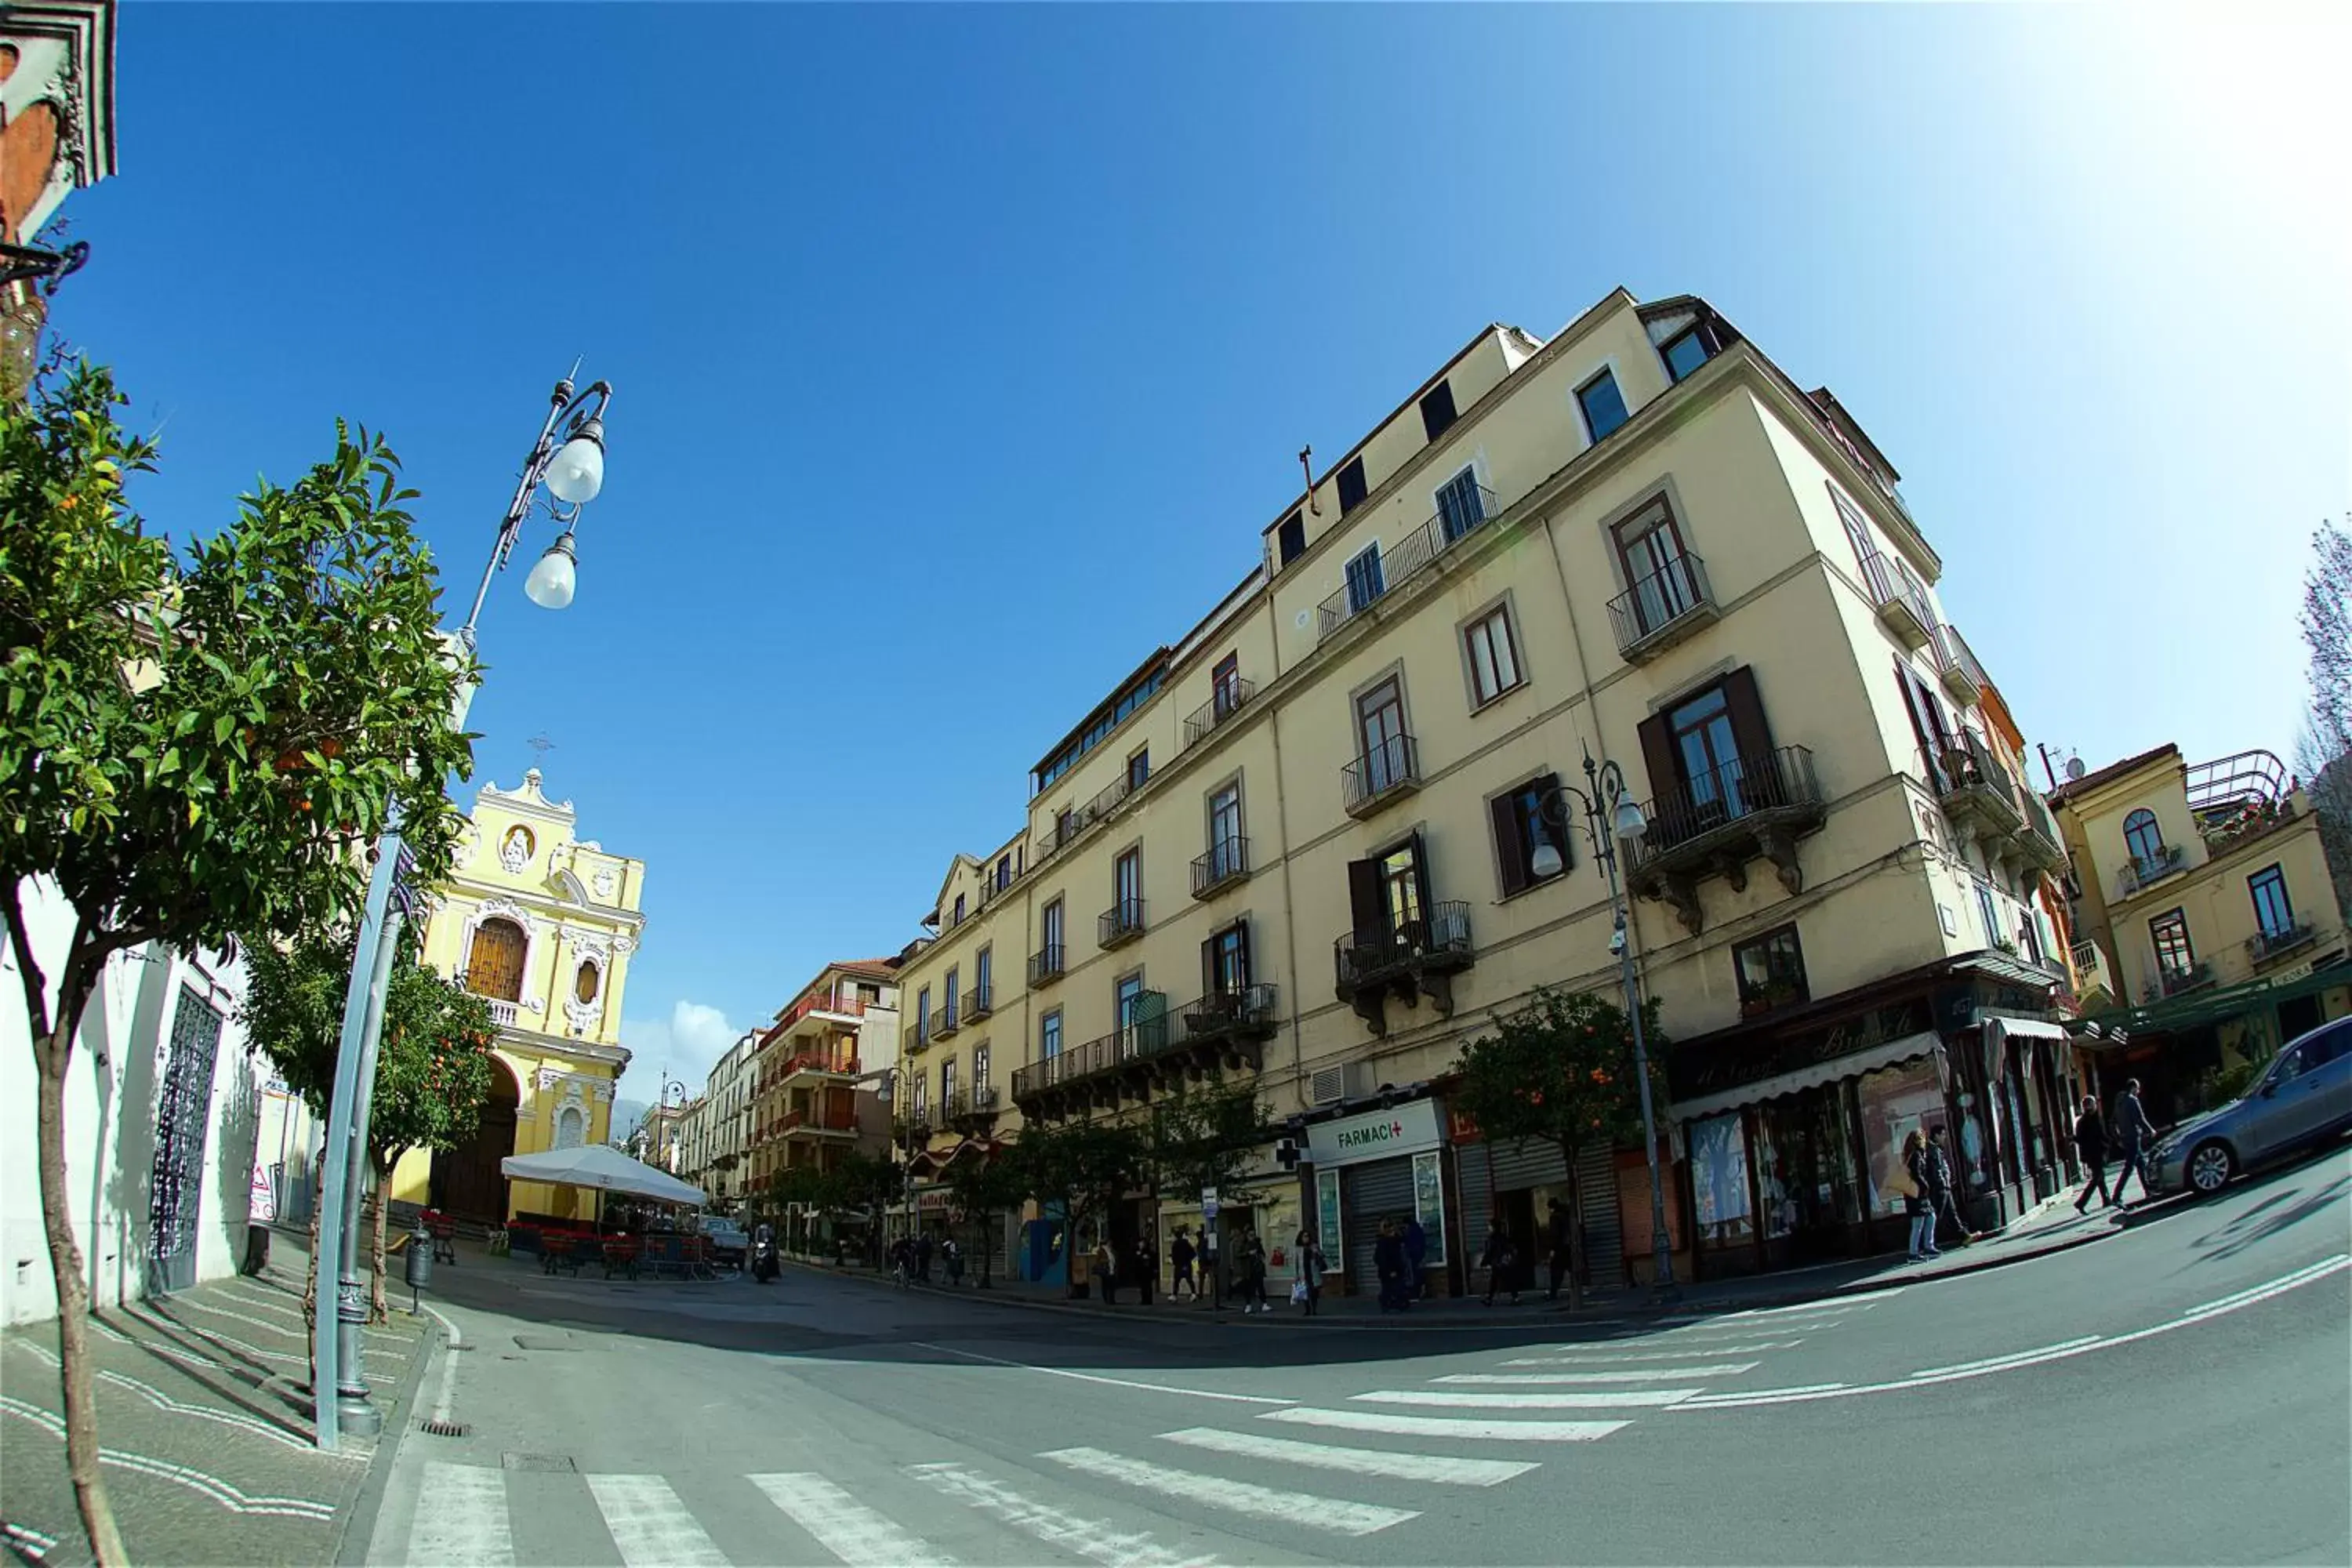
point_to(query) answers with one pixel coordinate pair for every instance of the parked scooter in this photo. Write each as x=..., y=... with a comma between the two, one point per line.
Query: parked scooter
x=765, y=1264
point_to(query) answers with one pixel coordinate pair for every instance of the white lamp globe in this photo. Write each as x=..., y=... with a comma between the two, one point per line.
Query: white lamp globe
x=577, y=472
x=1630, y=822
x=1546, y=861
x=553, y=581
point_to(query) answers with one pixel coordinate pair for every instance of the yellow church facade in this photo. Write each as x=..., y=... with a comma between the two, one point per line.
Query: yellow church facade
x=543, y=923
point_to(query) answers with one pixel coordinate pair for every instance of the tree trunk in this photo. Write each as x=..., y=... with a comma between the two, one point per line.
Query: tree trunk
x=1575, y=1228
x=310, y=1286
x=379, y=1311
x=53, y=1051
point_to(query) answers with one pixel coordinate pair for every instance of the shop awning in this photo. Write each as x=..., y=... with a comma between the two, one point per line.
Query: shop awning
x=2024, y=1028
x=1893, y=1053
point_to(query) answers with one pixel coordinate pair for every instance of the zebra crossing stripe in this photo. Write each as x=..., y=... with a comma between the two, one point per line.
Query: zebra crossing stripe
x=1441, y=1467
x=461, y=1517
x=650, y=1525
x=1806, y=1309
x=849, y=1529
x=1096, y=1539
x=1719, y=1369
x=1566, y=1399
x=1402, y=1426
x=1305, y=1509
x=1686, y=1352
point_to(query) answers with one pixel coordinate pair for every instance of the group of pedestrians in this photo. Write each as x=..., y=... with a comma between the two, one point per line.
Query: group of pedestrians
x=910, y=1258
x=2133, y=1133
x=1397, y=1256
x=1929, y=1200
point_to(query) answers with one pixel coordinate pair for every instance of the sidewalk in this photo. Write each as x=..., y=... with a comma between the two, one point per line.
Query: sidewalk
x=203, y=1424
x=2050, y=1227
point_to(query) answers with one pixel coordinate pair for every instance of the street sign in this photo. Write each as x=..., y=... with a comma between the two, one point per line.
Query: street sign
x=1208, y=1203
x=261, y=1198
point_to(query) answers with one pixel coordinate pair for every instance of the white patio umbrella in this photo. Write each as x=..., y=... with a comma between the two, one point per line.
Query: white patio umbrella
x=606, y=1170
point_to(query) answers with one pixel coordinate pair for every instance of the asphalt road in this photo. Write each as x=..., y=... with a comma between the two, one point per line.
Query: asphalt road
x=2180, y=1393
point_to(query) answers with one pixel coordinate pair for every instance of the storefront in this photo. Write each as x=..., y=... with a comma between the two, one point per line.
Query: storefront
x=1515, y=1184
x=1381, y=1164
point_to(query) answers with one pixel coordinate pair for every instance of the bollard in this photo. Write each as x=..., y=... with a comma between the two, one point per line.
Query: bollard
x=420, y=1265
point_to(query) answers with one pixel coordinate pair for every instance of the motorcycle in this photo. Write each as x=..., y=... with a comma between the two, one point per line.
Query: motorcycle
x=765, y=1266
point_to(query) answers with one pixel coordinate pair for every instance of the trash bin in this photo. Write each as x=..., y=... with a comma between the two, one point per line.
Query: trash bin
x=419, y=1261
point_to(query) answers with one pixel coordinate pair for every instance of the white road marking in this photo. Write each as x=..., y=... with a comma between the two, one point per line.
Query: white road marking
x=27, y=1543
x=2214, y=1308
x=1718, y=1369
x=39, y=1351
x=2000, y=1359
x=1446, y=1468
x=1799, y=1308
x=848, y=1529
x=1096, y=1539
x=1566, y=1399
x=1723, y=1399
x=1810, y=1322
x=1686, y=1353
x=1446, y=1425
x=163, y=1401
x=461, y=1517
x=1235, y=1497
x=209, y=1485
x=1113, y=1382
x=446, y=1401
x=651, y=1525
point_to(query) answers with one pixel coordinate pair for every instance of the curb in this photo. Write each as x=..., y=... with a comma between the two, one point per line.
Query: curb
x=1616, y=1310
x=358, y=1520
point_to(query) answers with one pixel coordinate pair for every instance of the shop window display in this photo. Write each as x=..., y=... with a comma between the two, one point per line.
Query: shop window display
x=1896, y=1101
x=1718, y=1157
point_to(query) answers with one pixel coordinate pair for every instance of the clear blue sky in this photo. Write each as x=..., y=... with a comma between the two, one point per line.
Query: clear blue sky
x=963, y=354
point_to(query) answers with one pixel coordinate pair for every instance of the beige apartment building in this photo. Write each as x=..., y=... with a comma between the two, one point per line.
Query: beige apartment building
x=715, y=1139
x=1316, y=839
x=813, y=1066
x=2205, y=892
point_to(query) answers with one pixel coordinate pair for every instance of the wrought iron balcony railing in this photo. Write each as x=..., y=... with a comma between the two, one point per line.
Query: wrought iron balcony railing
x=1222, y=1013
x=2265, y=945
x=1413, y=554
x=1663, y=609
x=1386, y=771
x=1900, y=598
x=979, y=1003
x=1121, y=923
x=1227, y=861
x=1368, y=958
x=1228, y=700
x=1964, y=678
x=944, y=1023
x=2173, y=982
x=1045, y=965
x=2148, y=870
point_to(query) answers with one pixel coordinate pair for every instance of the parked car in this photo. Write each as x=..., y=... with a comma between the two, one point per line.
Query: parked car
x=728, y=1242
x=2304, y=1097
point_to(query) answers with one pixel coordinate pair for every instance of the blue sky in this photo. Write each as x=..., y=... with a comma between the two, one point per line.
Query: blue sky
x=961, y=353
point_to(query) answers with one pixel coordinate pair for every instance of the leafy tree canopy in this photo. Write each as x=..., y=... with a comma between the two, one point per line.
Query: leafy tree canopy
x=1561, y=1069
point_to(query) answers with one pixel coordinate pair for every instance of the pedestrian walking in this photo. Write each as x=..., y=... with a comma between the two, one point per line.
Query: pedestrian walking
x=2133, y=1132
x=1307, y=1292
x=1253, y=1265
x=2091, y=1148
x=951, y=1257
x=1416, y=1247
x=1501, y=1261
x=1389, y=1263
x=1106, y=1270
x=1147, y=1270
x=1916, y=1204
x=1941, y=1199
x=1181, y=1253
x=1561, y=1258
x=923, y=1258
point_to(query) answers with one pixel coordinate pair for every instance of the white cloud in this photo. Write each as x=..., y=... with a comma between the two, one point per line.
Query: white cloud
x=683, y=1044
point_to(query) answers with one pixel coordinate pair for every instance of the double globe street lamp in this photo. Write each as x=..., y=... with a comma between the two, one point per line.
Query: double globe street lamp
x=569, y=468
x=1611, y=815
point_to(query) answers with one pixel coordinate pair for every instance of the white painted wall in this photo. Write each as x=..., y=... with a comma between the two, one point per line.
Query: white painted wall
x=111, y=1091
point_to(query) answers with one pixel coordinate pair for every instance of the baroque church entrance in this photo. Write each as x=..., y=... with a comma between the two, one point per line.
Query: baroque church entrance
x=466, y=1181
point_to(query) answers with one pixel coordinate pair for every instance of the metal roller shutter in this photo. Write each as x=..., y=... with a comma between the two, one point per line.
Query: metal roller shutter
x=1605, y=1223
x=1516, y=1166
x=1369, y=1194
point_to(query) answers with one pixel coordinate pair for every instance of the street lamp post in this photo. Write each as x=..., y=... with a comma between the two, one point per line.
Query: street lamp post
x=572, y=471
x=1609, y=816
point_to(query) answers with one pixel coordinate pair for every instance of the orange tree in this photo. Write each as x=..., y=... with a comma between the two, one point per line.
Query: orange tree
x=196, y=744
x=1560, y=1070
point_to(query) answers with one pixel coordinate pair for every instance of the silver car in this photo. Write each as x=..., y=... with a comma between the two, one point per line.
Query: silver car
x=2304, y=1097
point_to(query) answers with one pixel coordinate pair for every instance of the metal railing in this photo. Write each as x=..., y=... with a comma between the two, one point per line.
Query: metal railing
x=1366, y=958
x=853, y=1006
x=1413, y=552
x=1893, y=586
x=2146, y=869
x=829, y=1119
x=1226, y=702
x=2086, y=955
x=945, y=1023
x=1952, y=652
x=1122, y=922
x=1678, y=587
x=1226, y=861
x=1045, y=964
x=979, y=1003
x=813, y=1061
x=2249, y=779
x=2172, y=982
x=2268, y=945
x=1968, y=763
x=1137, y=1041
x=1692, y=810
x=1384, y=770
x=1223, y=1012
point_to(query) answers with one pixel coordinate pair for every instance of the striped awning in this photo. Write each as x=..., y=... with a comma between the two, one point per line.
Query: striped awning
x=1893, y=1053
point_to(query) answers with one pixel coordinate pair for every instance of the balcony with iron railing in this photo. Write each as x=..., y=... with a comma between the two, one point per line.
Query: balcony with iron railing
x=1413, y=554
x=945, y=1022
x=1663, y=609
x=1227, y=862
x=1145, y=1038
x=979, y=1003
x=1716, y=822
x=1227, y=701
x=2041, y=842
x=1225, y=1014
x=1387, y=772
x=1964, y=678
x=2177, y=982
x=819, y=1120
x=832, y=1063
x=1045, y=965
x=1977, y=793
x=1900, y=598
x=2137, y=875
x=1405, y=960
x=1121, y=923
x=2265, y=945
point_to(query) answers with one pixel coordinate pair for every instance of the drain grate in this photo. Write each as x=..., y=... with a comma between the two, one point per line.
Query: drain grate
x=447, y=1428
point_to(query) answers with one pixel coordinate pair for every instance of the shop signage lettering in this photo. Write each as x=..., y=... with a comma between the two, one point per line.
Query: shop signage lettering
x=1406, y=1128
x=1378, y=1132
x=1710, y=1069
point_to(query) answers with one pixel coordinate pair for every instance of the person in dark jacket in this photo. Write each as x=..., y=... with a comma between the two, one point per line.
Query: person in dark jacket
x=2091, y=1148
x=1252, y=1258
x=1181, y=1253
x=1388, y=1262
x=2133, y=1130
x=1501, y=1261
x=1416, y=1247
x=1917, y=1162
x=1941, y=1199
x=1561, y=1258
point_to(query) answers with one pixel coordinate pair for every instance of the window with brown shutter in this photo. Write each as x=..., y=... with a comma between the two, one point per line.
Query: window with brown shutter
x=1521, y=827
x=494, y=964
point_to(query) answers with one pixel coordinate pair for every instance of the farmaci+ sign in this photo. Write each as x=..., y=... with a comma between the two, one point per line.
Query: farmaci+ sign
x=1365, y=1137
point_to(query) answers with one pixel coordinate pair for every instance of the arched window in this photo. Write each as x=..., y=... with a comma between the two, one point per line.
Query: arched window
x=494, y=967
x=2142, y=837
x=585, y=983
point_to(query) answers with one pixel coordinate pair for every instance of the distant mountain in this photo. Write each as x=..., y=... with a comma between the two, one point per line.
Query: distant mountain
x=626, y=1114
